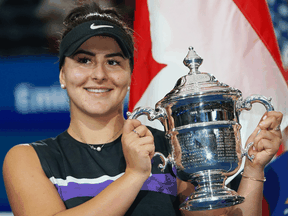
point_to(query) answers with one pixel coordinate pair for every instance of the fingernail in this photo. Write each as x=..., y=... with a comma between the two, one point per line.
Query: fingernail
x=264, y=117
x=254, y=149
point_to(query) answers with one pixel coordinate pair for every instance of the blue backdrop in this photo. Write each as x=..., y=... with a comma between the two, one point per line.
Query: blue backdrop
x=32, y=105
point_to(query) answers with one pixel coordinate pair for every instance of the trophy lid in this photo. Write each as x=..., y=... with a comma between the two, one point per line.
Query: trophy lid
x=196, y=83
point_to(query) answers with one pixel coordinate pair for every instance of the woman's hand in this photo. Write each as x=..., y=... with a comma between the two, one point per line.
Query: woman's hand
x=138, y=147
x=266, y=143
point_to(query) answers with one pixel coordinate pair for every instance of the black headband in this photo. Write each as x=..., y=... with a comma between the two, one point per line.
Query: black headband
x=78, y=35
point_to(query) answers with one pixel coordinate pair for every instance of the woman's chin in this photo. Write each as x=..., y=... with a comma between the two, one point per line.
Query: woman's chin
x=104, y=112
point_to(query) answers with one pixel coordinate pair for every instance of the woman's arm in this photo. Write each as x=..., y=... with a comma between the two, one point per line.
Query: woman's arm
x=30, y=192
x=266, y=145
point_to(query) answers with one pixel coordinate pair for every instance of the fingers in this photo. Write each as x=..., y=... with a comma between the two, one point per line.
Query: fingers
x=147, y=146
x=271, y=121
x=130, y=125
x=267, y=140
x=138, y=147
x=144, y=143
x=142, y=131
x=134, y=128
x=136, y=135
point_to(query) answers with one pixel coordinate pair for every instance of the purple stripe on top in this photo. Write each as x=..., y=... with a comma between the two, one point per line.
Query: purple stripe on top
x=163, y=183
x=81, y=190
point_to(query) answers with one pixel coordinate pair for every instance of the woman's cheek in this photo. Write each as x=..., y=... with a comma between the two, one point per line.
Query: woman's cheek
x=79, y=77
x=121, y=79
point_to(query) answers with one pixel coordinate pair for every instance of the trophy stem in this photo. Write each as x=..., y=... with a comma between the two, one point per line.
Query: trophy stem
x=211, y=193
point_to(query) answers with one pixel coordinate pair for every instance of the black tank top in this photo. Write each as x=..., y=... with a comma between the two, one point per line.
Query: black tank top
x=79, y=173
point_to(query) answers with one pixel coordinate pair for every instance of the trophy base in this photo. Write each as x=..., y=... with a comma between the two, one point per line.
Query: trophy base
x=218, y=199
x=210, y=194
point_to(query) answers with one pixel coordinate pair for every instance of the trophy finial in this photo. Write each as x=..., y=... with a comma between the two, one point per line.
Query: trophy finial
x=192, y=61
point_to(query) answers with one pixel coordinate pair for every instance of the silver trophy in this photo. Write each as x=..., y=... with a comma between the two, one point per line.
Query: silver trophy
x=201, y=120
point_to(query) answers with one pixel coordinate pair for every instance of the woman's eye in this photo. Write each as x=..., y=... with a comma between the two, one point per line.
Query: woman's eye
x=113, y=62
x=84, y=60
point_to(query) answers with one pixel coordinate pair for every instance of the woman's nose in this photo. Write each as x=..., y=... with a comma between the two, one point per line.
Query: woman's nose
x=99, y=72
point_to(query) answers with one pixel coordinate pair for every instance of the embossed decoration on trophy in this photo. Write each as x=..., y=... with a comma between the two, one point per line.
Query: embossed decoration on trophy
x=201, y=120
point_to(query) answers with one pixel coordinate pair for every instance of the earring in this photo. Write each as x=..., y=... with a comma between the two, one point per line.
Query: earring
x=62, y=86
x=128, y=88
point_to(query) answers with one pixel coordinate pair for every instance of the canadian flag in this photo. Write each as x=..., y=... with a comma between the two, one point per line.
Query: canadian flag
x=235, y=38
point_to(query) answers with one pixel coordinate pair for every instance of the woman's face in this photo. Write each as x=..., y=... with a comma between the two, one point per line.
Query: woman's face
x=96, y=77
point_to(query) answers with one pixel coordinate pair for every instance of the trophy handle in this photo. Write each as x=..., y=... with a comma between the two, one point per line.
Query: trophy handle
x=152, y=114
x=247, y=105
x=246, y=149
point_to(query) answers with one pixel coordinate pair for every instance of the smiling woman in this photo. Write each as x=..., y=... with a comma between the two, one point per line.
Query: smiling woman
x=101, y=165
x=97, y=77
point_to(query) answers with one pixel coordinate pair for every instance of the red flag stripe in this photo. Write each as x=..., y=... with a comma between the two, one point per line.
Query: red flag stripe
x=257, y=13
x=145, y=68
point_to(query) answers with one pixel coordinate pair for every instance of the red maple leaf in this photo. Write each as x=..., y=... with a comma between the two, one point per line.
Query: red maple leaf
x=145, y=67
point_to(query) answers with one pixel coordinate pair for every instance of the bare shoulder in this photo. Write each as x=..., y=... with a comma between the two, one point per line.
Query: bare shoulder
x=27, y=185
x=19, y=159
x=25, y=151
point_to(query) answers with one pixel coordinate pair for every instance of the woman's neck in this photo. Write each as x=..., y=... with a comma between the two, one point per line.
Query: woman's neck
x=96, y=130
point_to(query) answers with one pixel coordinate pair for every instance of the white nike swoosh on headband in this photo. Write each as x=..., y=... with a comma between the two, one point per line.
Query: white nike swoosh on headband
x=100, y=26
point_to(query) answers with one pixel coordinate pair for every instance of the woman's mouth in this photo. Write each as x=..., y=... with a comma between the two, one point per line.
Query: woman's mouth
x=98, y=90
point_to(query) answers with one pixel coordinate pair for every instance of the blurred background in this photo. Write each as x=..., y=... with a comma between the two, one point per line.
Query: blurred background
x=31, y=97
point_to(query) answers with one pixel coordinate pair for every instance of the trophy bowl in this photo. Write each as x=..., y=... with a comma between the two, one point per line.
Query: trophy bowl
x=201, y=120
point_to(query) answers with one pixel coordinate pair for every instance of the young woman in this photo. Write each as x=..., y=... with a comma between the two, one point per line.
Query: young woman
x=102, y=164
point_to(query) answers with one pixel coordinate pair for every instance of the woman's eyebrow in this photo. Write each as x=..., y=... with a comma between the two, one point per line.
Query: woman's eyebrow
x=115, y=54
x=81, y=51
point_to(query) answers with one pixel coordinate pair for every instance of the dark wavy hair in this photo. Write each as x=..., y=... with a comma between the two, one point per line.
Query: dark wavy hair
x=79, y=14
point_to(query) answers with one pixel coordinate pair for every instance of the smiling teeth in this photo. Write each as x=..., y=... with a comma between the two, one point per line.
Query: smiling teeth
x=98, y=90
